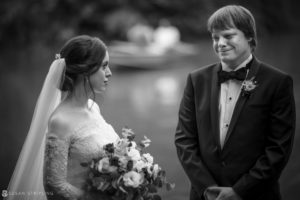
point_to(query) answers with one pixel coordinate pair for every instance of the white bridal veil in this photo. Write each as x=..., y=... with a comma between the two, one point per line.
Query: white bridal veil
x=27, y=179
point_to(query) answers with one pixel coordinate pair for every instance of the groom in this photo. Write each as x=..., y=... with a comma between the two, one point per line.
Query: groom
x=236, y=118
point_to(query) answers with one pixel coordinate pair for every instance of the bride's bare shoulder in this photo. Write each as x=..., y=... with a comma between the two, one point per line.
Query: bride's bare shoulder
x=63, y=121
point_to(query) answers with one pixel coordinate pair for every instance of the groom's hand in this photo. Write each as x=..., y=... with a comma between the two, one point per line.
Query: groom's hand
x=224, y=193
x=209, y=194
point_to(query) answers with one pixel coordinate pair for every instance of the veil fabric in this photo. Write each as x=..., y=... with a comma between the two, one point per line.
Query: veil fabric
x=27, y=179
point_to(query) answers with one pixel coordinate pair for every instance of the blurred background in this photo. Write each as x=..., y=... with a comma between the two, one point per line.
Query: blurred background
x=153, y=45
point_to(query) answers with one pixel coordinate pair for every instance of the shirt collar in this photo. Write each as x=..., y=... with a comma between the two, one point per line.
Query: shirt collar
x=243, y=64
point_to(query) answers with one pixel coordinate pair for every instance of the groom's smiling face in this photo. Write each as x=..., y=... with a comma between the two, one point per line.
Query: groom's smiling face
x=231, y=46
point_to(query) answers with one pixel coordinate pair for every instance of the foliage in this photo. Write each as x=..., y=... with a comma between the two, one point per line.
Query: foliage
x=23, y=22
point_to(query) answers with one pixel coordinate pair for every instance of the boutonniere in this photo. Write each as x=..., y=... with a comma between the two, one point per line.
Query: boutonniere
x=248, y=87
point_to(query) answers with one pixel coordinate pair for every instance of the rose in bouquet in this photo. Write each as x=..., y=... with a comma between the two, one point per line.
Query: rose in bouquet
x=125, y=171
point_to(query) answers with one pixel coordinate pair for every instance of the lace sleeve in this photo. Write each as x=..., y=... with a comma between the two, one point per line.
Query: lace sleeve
x=55, y=170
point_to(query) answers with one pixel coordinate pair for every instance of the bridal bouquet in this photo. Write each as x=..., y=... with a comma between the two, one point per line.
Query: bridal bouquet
x=126, y=172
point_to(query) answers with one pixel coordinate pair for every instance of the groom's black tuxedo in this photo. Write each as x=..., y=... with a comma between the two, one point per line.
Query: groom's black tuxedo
x=258, y=142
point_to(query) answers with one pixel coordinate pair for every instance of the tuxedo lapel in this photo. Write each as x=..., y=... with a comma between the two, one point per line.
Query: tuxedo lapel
x=241, y=100
x=214, y=104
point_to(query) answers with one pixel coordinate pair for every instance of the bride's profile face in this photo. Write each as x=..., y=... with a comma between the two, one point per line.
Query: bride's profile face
x=99, y=79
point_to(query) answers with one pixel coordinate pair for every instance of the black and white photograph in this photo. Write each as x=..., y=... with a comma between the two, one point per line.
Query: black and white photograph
x=149, y=100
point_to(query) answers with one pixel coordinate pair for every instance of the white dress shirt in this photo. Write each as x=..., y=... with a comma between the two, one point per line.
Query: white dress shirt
x=229, y=93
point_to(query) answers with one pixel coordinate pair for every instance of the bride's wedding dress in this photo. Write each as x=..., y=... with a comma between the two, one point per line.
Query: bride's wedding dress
x=57, y=170
x=65, y=175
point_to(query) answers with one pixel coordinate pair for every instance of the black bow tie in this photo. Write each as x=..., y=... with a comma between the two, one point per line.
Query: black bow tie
x=239, y=74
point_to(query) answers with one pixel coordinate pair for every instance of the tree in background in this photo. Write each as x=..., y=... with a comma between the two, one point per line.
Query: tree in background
x=23, y=22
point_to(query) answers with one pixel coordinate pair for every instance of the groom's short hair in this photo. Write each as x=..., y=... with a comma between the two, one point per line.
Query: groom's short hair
x=234, y=16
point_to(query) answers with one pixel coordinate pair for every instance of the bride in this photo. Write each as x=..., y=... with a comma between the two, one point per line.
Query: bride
x=67, y=129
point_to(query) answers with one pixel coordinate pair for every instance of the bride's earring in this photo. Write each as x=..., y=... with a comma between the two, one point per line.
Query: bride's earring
x=85, y=82
x=87, y=85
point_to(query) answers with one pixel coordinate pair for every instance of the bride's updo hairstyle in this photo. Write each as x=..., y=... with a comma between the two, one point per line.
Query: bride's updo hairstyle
x=83, y=56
